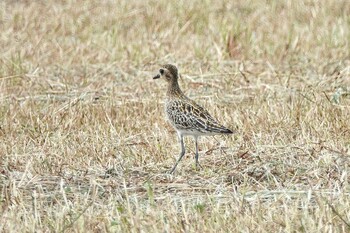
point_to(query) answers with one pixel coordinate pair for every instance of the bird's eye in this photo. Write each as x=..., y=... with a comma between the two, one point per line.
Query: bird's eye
x=161, y=71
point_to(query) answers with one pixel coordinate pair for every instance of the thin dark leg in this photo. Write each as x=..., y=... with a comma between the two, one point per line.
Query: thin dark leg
x=181, y=154
x=197, y=155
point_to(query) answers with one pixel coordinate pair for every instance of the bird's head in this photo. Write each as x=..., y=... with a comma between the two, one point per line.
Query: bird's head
x=169, y=72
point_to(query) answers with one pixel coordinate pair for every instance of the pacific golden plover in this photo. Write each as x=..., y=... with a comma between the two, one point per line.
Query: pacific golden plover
x=185, y=115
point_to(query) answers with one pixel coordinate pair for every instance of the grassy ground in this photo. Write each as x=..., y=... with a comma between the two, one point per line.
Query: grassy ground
x=84, y=145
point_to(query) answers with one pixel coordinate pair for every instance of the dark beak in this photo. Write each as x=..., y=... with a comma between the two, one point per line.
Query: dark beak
x=157, y=76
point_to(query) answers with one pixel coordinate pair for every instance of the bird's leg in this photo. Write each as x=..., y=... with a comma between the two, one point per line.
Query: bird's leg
x=181, y=154
x=197, y=156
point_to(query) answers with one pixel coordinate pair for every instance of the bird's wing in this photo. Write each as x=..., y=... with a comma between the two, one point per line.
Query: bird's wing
x=191, y=116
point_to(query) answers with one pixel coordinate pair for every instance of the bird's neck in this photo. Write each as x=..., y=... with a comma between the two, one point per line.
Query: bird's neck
x=174, y=89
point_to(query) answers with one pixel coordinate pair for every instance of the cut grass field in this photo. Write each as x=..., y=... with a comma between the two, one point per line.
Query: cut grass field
x=85, y=147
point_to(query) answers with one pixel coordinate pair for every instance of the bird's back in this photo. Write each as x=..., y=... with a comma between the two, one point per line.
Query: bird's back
x=189, y=118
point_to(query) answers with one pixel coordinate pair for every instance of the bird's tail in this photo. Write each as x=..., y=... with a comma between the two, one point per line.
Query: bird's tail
x=221, y=130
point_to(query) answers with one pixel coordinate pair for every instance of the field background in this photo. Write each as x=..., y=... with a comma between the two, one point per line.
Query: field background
x=85, y=147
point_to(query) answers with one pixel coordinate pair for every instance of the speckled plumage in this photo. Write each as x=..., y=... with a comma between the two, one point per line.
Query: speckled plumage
x=185, y=115
x=188, y=117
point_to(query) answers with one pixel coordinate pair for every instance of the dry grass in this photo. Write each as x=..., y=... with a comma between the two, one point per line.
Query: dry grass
x=84, y=145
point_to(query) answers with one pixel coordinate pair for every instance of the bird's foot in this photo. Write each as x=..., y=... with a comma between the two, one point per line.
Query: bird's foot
x=198, y=166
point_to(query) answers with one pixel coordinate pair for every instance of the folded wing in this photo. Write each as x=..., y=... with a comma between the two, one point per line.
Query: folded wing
x=190, y=116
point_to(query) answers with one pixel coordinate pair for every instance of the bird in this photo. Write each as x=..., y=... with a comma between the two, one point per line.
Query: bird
x=185, y=115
